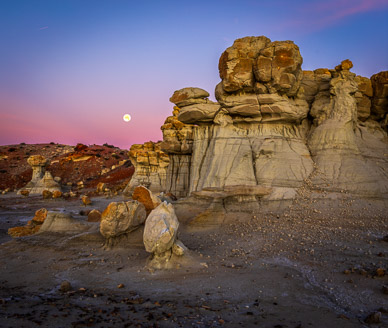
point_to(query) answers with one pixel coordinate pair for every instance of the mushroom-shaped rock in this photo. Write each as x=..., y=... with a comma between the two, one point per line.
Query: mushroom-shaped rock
x=122, y=217
x=160, y=229
x=38, y=164
x=189, y=96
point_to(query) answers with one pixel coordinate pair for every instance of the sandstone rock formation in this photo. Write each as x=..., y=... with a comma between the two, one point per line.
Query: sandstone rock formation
x=41, y=179
x=150, y=167
x=160, y=233
x=379, y=108
x=275, y=127
x=121, y=217
x=59, y=222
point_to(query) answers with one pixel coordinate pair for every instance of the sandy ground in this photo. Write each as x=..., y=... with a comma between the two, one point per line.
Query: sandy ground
x=314, y=264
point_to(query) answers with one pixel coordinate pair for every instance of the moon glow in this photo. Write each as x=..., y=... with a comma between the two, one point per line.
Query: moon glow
x=127, y=117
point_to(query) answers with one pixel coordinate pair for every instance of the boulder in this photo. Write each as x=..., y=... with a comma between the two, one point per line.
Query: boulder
x=40, y=216
x=121, y=217
x=189, y=96
x=146, y=197
x=47, y=194
x=237, y=62
x=160, y=229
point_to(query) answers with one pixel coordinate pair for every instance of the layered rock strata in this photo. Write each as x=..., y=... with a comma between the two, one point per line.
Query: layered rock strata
x=150, y=167
x=274, y=127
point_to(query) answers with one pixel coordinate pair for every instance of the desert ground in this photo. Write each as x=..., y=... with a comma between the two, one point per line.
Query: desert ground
x=319, y=262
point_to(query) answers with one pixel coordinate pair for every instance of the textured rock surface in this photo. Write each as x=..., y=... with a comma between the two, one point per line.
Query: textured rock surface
x=160, y=229
x=178, y=144
x=278, y=127
x=94, y=216
x=336, y=150
x=380, y=97
x=62, y=223
x=150, y=167
x=121, y=217
x=146, y=197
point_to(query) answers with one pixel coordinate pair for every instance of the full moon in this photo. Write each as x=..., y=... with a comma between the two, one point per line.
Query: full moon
x=127, y=117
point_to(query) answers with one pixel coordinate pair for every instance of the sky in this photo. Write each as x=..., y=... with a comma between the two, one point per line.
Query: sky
x=70, y=69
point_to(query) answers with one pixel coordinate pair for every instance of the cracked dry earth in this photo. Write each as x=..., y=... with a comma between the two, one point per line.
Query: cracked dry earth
x=318, y=263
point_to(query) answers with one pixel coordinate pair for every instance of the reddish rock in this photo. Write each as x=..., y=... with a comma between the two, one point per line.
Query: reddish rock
x=80, y=147
x=57, y=194
x=23, y=231
x=86, y=200
x=94, y=216
x=144, y=196
x=24, y=192
x=40, y=216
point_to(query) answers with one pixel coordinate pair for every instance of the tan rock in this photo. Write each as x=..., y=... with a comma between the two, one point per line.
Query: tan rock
x=160, y=229
x=236, y=63
x=100, y=187
x=62, y=223
x=122, y=217
x=198, y=113
x=189, y=96
x=86, y=200
x=150, y=167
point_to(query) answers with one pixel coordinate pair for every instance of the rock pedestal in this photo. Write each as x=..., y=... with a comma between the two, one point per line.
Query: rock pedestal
x=41, y=179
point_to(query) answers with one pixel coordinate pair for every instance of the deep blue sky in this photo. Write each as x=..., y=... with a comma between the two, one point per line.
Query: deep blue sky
x=70, y=69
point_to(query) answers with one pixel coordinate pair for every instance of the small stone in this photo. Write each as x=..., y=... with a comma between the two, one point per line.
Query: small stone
x=374, y=317
x=86, y=200
x=65, y=286
x=57, y=194
x=120, y=286
x=94, y=216
x=47, y=194
x=380, y=272
x=40, y=216
x=100, y=187
x=24, y=193
x=179, y=248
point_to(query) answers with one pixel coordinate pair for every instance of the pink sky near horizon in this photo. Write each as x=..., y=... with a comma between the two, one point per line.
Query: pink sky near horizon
x=70, y=70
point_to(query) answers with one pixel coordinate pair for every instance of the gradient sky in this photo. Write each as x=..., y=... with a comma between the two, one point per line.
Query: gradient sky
x=70, y=69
